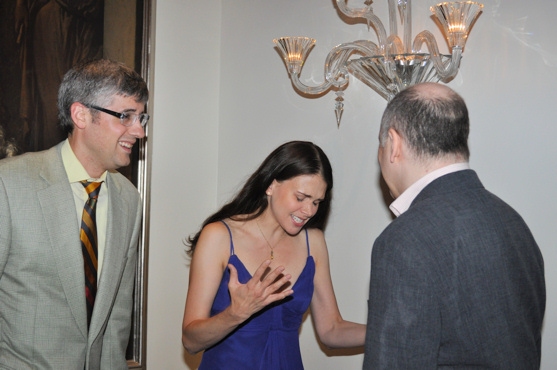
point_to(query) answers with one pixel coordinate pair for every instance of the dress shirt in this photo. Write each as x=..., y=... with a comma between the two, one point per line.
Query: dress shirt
x=76, y=173
x=403, y=202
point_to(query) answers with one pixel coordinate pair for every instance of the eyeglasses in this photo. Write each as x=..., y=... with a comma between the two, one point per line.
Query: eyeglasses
x=126, y=119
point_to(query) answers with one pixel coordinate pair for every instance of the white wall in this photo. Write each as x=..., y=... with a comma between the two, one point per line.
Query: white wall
x=184, y=144
x=223, y=101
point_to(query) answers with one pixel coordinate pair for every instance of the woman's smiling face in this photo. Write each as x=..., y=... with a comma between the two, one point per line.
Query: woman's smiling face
x=294, y=201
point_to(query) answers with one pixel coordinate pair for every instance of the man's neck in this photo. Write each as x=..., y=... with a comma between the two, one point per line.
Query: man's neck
x=421, y=167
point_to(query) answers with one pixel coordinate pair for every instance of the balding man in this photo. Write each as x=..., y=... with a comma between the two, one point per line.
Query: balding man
x=457, y=279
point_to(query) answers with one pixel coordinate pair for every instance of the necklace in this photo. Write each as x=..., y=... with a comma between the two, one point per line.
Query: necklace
x=269, y=244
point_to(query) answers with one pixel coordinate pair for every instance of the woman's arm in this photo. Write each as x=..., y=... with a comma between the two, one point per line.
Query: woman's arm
x=199, y=329
x=332, y=329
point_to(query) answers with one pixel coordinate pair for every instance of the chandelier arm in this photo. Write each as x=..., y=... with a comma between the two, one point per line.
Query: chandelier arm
x=395, y=45
x=445, y=70
x=450, y=70
x=365, y=48
x=379, y=30
x=335, y=66
x=310, y=90
x=372, y=19
x=393, y=28
x=339, y=55
x=354, y=12
x=407, y=37
x=335, y=71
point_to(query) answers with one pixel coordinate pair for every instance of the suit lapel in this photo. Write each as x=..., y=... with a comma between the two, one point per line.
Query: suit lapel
x=58, y=208
x=115, y=255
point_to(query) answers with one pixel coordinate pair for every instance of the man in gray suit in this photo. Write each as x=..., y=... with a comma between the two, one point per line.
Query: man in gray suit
x=457, y=280
x=43, y=311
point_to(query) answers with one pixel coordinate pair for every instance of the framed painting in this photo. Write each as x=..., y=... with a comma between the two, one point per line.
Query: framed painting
x=39, y=41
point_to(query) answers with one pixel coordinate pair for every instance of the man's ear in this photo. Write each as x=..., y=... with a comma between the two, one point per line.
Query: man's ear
x=80, y=115
x=397, y=143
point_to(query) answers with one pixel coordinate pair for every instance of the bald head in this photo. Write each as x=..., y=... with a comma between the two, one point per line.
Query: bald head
x=432, y=120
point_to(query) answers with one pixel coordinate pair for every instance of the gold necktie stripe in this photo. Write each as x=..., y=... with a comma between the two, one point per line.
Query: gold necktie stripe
x=88, y=236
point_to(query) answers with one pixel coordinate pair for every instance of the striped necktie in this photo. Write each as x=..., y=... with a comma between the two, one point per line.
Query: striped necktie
x=88, y=236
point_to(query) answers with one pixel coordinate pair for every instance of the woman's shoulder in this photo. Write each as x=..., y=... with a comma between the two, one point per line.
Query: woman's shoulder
x=316, y=241
x=213, y=246
x=227, y=229
x=213, y=236
x=315, y=234
x=217, y=229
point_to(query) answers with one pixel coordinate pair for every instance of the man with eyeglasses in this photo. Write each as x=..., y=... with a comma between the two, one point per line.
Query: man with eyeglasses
x=66, y=294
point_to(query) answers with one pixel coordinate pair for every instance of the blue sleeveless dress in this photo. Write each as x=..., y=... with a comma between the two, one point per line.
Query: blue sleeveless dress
x=269, y=339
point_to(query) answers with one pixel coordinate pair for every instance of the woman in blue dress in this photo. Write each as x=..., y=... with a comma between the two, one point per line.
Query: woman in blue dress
x=258, y=264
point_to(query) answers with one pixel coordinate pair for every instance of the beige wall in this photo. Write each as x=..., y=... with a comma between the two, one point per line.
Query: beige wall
x=184, y=147
x=222, y=101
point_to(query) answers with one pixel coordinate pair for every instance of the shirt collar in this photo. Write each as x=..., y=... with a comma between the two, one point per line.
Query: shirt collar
x=403, y=202
x=74, y=169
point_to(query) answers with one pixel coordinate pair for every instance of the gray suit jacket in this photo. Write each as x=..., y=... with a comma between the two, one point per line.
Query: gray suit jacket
x=457, y=282
x=43, y=319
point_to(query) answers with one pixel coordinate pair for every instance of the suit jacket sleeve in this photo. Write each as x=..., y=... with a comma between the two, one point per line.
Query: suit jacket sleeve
x=403, y=321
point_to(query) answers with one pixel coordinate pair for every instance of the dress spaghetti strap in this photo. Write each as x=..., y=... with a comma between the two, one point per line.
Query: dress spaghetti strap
x=307, y=241
x=231, y=242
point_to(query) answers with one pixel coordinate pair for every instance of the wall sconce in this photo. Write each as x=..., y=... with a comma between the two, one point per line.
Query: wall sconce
x=392, y=64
